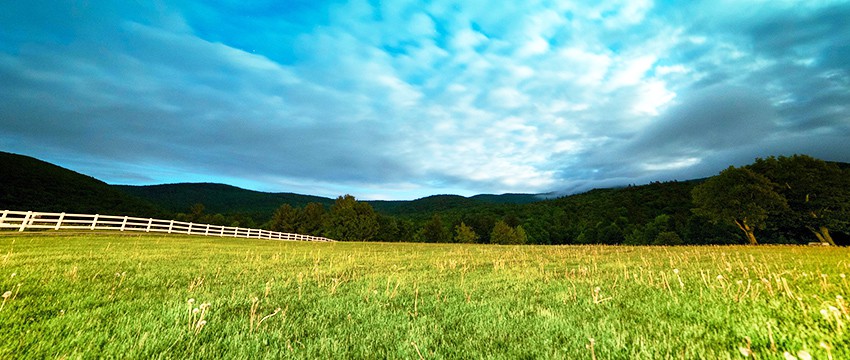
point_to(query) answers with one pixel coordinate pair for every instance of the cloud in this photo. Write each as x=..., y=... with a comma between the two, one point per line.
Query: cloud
x=716, y=117
x=404, y=99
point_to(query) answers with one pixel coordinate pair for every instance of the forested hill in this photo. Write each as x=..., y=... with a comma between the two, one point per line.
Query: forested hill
x=27, y=183
x=226, y=199
x=436, y=203
x=219, y=198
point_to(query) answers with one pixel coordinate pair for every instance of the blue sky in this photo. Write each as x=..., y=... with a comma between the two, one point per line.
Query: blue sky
x=404, y=99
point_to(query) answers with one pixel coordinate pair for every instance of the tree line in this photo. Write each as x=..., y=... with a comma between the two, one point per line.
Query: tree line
x=796, y=199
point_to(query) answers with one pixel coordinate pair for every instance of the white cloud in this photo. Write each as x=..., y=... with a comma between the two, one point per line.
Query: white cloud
x=629, y=12
x=632, y=70
x=662, y=70
x=534, y=46
x=654, y=95
x=467, y=39
x=579, y=67
x=402, y=96
x=507, y=98
x=672, y=164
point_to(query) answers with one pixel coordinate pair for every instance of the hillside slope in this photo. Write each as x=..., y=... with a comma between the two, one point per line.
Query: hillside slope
x=27, y=183
x=219, y=198
x=439, y=203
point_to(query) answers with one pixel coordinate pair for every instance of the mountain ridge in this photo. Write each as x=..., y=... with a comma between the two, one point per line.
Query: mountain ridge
x=27, y=183
x=33, y=184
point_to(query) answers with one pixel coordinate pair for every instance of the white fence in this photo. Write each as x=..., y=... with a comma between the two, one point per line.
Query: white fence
x=25, y=220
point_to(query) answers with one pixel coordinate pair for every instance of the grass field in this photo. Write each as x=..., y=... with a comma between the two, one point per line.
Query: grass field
x=131, y=296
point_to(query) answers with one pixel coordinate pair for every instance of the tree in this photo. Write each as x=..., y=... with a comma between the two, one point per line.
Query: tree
x=218, y=219
x=588, y=235
x=521, y=236
x=668, y=238
x=406, y=230
x=351, y=220
x=464, y=234
x=285, y=219
x=480, y=222
x=647, y=234
x=611, y=235
x=311, y=219
x=434, y=231
x=504, y=234
x=701, y=230
x=818, y=193
x=196, y=212
x=739, y=196
x=388, y=230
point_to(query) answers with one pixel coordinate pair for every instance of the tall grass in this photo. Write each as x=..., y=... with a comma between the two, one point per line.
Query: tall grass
x=72, y=296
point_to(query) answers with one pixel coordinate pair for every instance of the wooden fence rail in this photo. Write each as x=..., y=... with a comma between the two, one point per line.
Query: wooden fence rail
x=26, y=220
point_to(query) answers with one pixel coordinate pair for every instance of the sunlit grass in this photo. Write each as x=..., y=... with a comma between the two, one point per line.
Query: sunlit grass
x=194, y=297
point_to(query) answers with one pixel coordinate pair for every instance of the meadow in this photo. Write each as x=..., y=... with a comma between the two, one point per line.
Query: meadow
x=145, y=296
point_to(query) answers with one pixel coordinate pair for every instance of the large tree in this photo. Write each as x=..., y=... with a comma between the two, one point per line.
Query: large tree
x=349, y=220
x=739, y=196
x=388, y=230
x=311, y=219
x=465, y=234
x=434, y=231
x=505, y=234
x=818, y=193
x=285, y=219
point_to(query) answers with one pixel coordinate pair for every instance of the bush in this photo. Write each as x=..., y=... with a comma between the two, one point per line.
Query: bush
x=668, y=238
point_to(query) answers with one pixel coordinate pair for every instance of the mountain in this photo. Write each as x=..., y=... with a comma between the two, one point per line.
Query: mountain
x=219, y=198
x=31, y=184
x=640, y=204
x=440, y=203
x=517, y=199
x=28, y=184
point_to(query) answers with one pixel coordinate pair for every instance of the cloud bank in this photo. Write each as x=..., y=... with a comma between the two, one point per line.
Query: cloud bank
x=411, y=98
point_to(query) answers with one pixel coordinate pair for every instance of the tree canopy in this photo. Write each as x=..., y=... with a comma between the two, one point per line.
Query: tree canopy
x=738, y=196
x=350, y=219
x=817, y=192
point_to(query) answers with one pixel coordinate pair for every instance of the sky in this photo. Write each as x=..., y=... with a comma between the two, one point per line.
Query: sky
x=404, y=99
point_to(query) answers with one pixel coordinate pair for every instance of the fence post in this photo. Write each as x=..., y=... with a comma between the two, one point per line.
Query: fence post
x=170, y=226
x=207, y=231
x=24, y=222
x=3, y=218
x=59, y=222
x=189, y=232
x=124, y=223
x=150, y=221
x=94, y=221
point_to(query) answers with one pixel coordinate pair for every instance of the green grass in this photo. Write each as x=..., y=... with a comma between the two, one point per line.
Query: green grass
x=127, y=296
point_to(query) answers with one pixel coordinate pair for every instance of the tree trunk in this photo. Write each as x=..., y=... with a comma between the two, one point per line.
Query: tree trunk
x=748, y=231
x=823, y=235
x=751, y=237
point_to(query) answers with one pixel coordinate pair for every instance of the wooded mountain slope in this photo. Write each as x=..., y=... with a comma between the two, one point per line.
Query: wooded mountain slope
x=27, y=183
